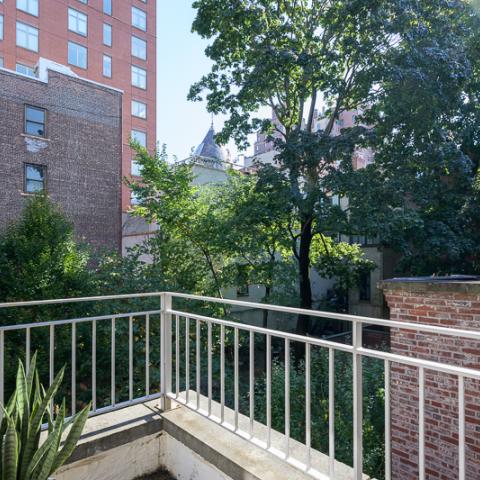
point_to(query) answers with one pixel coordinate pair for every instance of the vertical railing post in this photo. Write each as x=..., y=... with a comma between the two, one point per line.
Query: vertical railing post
x=357, y=402
x=2, y=369
x=166, y=349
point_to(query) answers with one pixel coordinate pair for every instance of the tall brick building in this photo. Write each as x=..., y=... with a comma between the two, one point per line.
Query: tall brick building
x=62, y=134
x=112, y=42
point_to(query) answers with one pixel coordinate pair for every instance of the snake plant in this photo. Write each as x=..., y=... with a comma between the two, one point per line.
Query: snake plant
x=22, y=454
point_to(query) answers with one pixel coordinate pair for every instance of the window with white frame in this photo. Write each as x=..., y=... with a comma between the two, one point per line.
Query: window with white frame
x=25, y=70
x=140, y=137
x=107, y=7
x=1, y=27
x=77, y=22
x=27, y=36
x=136, y=169
x=107, y=34
x=139, y=19
x=139, y=48
x=83, y=1
x=107, y=66
x=77, y=55
x=139, y=77
x=139, y=109
x=1, y=62
x=29, y=6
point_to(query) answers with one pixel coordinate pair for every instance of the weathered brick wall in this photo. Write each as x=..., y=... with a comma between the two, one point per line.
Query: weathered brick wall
x=82, y=152
x=449, y=304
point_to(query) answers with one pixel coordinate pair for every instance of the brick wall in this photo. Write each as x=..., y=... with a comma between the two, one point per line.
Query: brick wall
x=82, y=152
x=450, y=304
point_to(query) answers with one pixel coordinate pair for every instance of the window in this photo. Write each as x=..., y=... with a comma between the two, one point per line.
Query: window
x=27, y=36
x=365, y=287
x=140, y=137
x=29, y=6
x=139, y=19
x=83, y=1
x=107, y=7
x=139, y=77
x=139, y=109
x=77, y=22
x=107, y=34
x=139, y=48
x=34, y=121
x=25, y=70
x=34, y=178
x=134, y=198
x=1, y=27
x=1, y=62
x=136, y=168
x=107, y=66
x=77, y=55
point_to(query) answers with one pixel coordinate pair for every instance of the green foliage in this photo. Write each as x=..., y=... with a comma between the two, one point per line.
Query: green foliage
x=21, y=455
x=39, y=257
x=373, y=401
x=339, y=260
x=410, y=66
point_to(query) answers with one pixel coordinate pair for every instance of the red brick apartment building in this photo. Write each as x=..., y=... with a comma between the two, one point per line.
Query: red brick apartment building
x=112, y=42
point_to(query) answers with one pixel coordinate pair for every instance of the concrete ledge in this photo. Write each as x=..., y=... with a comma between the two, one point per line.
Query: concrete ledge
x=232, y=455
x=121, y=427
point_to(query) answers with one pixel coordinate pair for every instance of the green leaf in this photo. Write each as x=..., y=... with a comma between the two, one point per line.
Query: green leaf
x=10, y=451
x=72, y=438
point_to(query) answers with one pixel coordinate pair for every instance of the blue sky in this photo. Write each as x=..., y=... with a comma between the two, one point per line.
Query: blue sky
x=181, y=61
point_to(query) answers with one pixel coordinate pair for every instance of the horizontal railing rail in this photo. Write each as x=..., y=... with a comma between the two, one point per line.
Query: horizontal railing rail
x=179, y=329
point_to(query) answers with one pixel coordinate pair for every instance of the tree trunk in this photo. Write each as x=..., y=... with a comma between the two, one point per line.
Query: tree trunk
x=303, y=322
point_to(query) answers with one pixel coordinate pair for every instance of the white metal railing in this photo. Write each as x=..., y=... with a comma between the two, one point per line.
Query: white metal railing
x=109, y=321
x=170, y=325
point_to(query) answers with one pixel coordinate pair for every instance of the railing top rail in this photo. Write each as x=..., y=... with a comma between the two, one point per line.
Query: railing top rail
x=24, y=326
x=99, y=298
x=422, y=327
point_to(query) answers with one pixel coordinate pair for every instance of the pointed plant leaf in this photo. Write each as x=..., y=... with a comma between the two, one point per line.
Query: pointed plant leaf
x=37, y=415
x=10, y=452
x=72, y=438
x=41, y=465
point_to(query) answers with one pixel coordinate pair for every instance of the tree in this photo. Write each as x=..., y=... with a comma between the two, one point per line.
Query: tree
x=252, y=226
x=287, y=55
x=186, y=215
x=420, y=195
x=39, y=257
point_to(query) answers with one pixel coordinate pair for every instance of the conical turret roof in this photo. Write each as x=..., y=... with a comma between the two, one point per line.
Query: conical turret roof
x=209, y=149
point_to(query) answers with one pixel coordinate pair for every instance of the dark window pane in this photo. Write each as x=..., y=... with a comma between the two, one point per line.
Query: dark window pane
x=34, y=178
x=34, y=173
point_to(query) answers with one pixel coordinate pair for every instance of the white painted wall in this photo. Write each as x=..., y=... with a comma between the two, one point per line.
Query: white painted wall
x=142, y=457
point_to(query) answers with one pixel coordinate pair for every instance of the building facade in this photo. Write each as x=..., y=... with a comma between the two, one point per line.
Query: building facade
x=112, y=42
x=62, y=135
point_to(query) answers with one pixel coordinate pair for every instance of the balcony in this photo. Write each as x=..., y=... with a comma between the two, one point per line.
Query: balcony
x=178, y=386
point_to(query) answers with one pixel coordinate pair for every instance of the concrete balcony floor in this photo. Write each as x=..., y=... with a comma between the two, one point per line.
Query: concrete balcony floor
x=140, y=442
